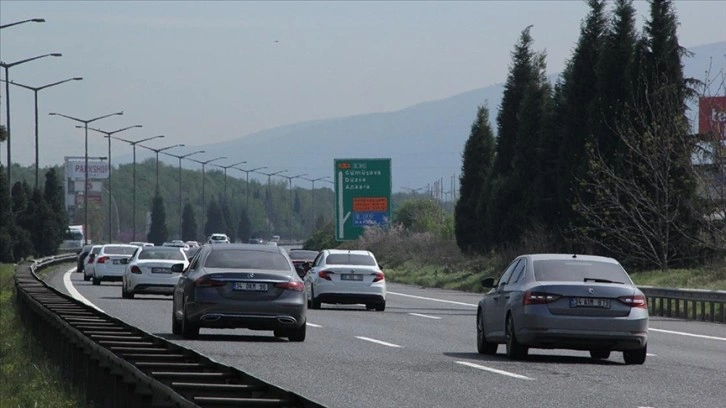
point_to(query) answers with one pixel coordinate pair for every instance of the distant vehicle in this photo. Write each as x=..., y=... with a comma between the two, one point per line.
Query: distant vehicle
x=149, y=271
x=239, y=286
x=82, y=257
x=107, y=266
x=176, y=244
x=275, y=238
x=73, y=240
x=346, y=277
x=88, y=262
x=563, y=301
x=218, y=238
x=254, y=241
x=302, y=259
x=141, y=243
x=192, y=243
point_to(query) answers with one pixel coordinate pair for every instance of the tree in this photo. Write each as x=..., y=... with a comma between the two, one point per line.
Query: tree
x=229, y=221
x=158, y=232
x=244, y=228
x=322, y=238
x=419, y=215
x=478, y=158
x=23, y=213
x=7, y=221
x=189, y=224
x=53, y=196
x=215, y=219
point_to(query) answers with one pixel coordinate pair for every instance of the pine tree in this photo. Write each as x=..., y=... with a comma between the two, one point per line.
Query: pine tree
x=7, y=221
x=189, y=223
x=158, y=232
x=244, y=228
x=215, y=219
x=23, y=213
x=478, y=158
x=53, y=196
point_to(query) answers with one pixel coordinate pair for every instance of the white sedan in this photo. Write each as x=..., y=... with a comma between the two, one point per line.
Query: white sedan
x=346, y=277
x=107, y=264
x=149, y=271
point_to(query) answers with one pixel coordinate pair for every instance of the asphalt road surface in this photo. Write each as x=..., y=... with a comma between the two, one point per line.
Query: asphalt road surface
x=421, y=352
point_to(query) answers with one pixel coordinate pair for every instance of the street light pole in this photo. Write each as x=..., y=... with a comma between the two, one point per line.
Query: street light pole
x=312, y=194
x=35, y=92
x=247, y=185
x=267, y=197
x=85, y=166
x=181, y=216
x=7, y=67
x=133, y=210
x=204, y=164
x=289, y=179
x=110, y=168
x=33, y=20
x=225, y=175
x=157, y=159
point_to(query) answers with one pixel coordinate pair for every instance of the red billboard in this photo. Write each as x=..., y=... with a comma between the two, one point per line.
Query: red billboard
x=712, y=116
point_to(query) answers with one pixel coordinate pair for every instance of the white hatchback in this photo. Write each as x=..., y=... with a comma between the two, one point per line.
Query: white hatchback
x=346, y=277
x=107, y=265
x=149, y=271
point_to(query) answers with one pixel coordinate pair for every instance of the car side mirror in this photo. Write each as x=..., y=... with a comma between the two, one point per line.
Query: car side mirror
x=487, y=282
x=177, y=267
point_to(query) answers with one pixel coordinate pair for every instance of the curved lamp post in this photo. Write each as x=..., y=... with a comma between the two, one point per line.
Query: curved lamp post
x=85, y=166
x=7, y=67
x=110, y=168
x=35, y=92
x=32, y=20
x=181, y=216
x=247, y=184
x=267, y=197
x=225, y=175
x=204, y=164
x=134, y=143
x=289, y=180
x=157, y=151
x=312, y=193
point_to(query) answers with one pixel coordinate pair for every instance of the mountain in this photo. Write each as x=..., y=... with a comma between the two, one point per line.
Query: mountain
x=424, y=141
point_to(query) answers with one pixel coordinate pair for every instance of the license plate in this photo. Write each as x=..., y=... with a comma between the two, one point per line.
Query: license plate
x=116, y=261
x=590, y=302
x=160, y=270
x=351, y=277
x=250, y=286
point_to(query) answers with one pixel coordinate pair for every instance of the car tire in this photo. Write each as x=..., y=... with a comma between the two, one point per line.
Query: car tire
x=297, y=334
x=515, y=350
x=314, y=303
x=125, y=293
x=86, y=277
x=599, y=354
x=482, y=345
x=96, y=281
x=380, y=307
x=188, y=329
x=175, y=325
x=635, y=356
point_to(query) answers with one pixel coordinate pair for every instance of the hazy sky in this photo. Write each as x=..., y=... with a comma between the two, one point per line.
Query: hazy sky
x=201, y=72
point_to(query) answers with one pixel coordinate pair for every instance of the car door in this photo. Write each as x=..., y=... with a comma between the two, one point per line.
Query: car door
x=495, y=303
x=312, y=274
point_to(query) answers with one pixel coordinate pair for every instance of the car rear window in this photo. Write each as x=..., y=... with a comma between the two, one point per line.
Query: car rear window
x=161, y=254
x=578, y=271
x=309, y=255
x=243, y=259
x=350, y=259
x=119, y=250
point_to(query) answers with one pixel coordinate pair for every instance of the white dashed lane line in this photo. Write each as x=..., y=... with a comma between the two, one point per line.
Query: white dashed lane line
x=383, y=343
x=313, y=325
x=700, y=336
x=74, y=293
x=431, y=299
x=426, y=316
x=494, y=370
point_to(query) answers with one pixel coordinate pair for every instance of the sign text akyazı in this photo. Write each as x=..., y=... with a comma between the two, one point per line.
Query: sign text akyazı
x=75, y=170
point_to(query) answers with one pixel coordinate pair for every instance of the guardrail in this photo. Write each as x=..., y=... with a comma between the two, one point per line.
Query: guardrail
x=121, y=366
x=689, y=304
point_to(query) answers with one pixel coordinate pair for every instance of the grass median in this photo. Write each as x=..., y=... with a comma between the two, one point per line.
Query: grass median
x=27, y=377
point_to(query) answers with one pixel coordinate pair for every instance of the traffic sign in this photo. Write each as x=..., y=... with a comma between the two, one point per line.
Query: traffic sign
x=362, y=196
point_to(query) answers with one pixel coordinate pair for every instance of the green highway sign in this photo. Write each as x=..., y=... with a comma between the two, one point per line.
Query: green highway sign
x=362, y=196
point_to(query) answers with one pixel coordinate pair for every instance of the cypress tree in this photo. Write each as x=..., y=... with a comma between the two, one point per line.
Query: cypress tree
x=189, y=223
x=215, y=219
x=244, y=228
x=53, y=195
x=158, y=232
x=7, y=221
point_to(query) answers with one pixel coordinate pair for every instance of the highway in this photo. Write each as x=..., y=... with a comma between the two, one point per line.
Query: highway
x=421, y=352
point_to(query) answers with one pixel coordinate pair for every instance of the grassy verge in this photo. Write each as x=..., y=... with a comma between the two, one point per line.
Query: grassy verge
x=27, y=378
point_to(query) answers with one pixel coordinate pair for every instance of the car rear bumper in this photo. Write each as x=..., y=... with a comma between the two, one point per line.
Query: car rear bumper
x=271, y=317
x=350, y=298
x=153, y=288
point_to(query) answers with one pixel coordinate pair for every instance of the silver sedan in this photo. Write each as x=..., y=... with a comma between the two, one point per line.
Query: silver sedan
x=564, y=301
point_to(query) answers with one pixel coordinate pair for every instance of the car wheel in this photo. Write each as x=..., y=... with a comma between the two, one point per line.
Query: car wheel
x=599, y=354
x=298, y=334
x=175, y=325
x=515, y=351
x=482, y=345
x=125, y=293
x=188, y=329
x=96, y=281
x=314, y=303
x=635, y=356
x=381, y=306
x=86, y=277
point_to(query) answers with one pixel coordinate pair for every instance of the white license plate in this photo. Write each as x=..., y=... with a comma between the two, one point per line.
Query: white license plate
x=116, y=261
x=590, y=302
x=351, y=277
x=160, y=270
x=250, y=286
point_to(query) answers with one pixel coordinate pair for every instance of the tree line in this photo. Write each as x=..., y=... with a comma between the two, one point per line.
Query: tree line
x=599, y=162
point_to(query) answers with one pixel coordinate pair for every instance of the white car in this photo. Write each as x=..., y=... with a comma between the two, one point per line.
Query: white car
x=107, y=266
x=346, y=277
x=218, y=239
x=88, y=262
x=149, y=271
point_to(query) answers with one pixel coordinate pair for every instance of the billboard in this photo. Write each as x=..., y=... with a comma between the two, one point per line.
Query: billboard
x=712, y=116
x=362, y=196
x=75, y=169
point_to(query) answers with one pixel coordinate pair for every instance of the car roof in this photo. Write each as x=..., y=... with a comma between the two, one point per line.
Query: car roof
x=349, y=251
x=570, y=257
x=251, y=247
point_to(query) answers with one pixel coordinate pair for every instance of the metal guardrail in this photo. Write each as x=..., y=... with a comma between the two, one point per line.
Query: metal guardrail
x=689, y=304
x=122, y=366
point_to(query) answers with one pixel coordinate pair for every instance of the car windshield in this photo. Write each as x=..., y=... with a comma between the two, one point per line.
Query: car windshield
x=157, y=253
x=303, y=255
x=579, y=271
x=119, y=250
x=350, y=259
x=245, y=259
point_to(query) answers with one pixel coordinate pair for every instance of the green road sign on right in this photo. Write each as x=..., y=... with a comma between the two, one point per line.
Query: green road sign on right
x=362, y=196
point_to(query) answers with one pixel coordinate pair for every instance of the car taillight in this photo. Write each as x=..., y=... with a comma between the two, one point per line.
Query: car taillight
x=135, y=269
x=379, y=277
x=539, y=298
x=324, y=275
x=292, y=285
x=634, y=301
x=205, y=282
x=102, y=259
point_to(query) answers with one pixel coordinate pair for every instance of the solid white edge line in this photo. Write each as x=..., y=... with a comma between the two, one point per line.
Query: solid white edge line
x=74, y=293
x=700, y=336
x=650, y=355
x=383, y=343
x=495, y=371
x=313, y=324
x=432, y=299
x=426, y=316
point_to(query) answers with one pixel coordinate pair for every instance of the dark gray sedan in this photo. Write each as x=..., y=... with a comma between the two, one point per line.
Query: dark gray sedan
x=564, y=301
x=239, y=286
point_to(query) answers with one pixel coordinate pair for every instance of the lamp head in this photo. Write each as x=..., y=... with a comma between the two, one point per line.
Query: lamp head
x=56, y=54
x=77, y=79
x=38, y=20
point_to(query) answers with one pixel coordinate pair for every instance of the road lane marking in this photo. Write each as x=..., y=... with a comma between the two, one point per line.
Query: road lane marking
x=74, y=293
x=432, y=299
x=313, y=324
x=650, y=355
x=700, y=336
x=494, y=370
x=426, y=316
x=383, y=343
